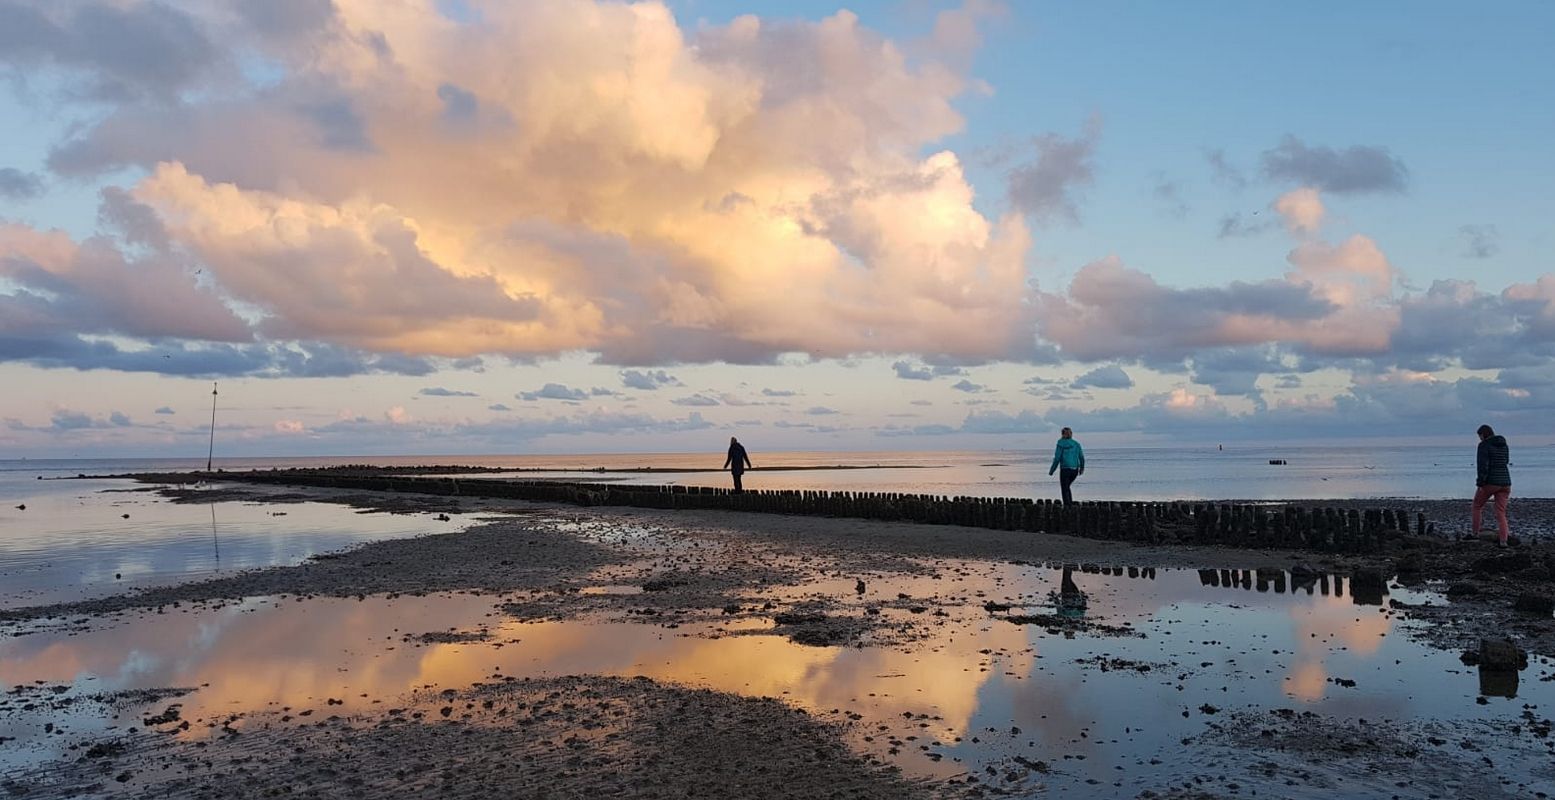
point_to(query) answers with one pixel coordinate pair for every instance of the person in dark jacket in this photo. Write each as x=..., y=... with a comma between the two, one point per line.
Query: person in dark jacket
x=737, y=462
x=1494, y=479
x=1069, y=462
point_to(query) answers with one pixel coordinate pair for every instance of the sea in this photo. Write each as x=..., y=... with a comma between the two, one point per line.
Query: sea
x=67, y=532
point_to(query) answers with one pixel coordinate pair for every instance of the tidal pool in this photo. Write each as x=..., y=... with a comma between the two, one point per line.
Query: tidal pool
x=1105, y=711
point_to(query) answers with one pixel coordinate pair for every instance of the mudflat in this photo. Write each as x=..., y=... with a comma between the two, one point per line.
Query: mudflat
x=642, y=653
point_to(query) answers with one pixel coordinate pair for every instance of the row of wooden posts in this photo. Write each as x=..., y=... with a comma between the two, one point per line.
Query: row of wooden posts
x=1235, y=525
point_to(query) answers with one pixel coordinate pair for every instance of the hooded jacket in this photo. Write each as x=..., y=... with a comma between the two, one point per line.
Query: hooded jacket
x=1067, y=455
x=1492, y=463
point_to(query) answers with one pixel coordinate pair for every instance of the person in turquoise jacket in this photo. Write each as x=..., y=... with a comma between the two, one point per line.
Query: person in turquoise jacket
x=1068, y=462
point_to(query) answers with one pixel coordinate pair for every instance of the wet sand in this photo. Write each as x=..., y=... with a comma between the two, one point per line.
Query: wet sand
x=577, y=736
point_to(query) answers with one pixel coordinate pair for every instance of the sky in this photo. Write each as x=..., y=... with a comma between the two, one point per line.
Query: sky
x=558, y=226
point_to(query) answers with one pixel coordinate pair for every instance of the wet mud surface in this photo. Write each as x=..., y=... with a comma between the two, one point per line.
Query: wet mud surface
x=574, y=737
x=548, y=652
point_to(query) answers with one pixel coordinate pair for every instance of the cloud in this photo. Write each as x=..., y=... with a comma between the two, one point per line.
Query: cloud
x=1045, y=188
x=696, y=400
x=648, y=380
x=820, y=411
x=909, y=371
x=119, y=419
x=1480, y=241
x=1111, y=311
x=62, y=287
x=1235, y=371
x=498, y=407
x=438, y=391
x=113, y=50
x=554, y=391
x=1000, y=422
x=404, y=183
x=310, y=360
x=165, y=410
x=778, y=393
x=1353, y=170
x=1168, y=194
x=969, y=387
x=1301, y=209
x=18, y=185
x=1111, y=376
x=67, y=420
x=1234, y=226
x=1223, y=171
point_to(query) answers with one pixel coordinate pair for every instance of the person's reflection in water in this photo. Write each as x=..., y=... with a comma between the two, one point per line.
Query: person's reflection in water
x=1070, y=601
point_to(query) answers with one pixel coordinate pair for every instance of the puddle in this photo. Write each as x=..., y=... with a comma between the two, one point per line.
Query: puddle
x=611, y=590
x=973, y=693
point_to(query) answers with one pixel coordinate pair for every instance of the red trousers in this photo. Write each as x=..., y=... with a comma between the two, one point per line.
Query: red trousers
x=1502, y=494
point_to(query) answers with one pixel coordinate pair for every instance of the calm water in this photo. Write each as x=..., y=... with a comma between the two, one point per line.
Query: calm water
x=1238, y=472
x=976, y=675
x=73, y=540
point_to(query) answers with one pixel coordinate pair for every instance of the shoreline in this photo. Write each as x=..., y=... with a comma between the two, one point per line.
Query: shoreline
x=684, y=573
x=523, y=549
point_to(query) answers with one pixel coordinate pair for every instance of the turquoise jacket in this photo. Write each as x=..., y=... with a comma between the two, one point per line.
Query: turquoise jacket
x=1068, y=455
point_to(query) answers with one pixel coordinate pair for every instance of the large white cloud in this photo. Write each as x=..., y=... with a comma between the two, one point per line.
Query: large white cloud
x=539, y=178
x=564, y=175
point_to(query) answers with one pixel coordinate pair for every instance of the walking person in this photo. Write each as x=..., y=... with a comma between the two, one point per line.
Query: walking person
x=737, y=462
x=1068, y=462
x=1493, y=476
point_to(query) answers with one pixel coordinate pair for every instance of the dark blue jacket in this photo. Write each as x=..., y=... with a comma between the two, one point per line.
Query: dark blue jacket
x=737, y=460
x=1492, y=462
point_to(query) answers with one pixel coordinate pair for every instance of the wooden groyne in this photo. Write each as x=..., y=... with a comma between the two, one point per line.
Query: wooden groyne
x=1230, y=525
